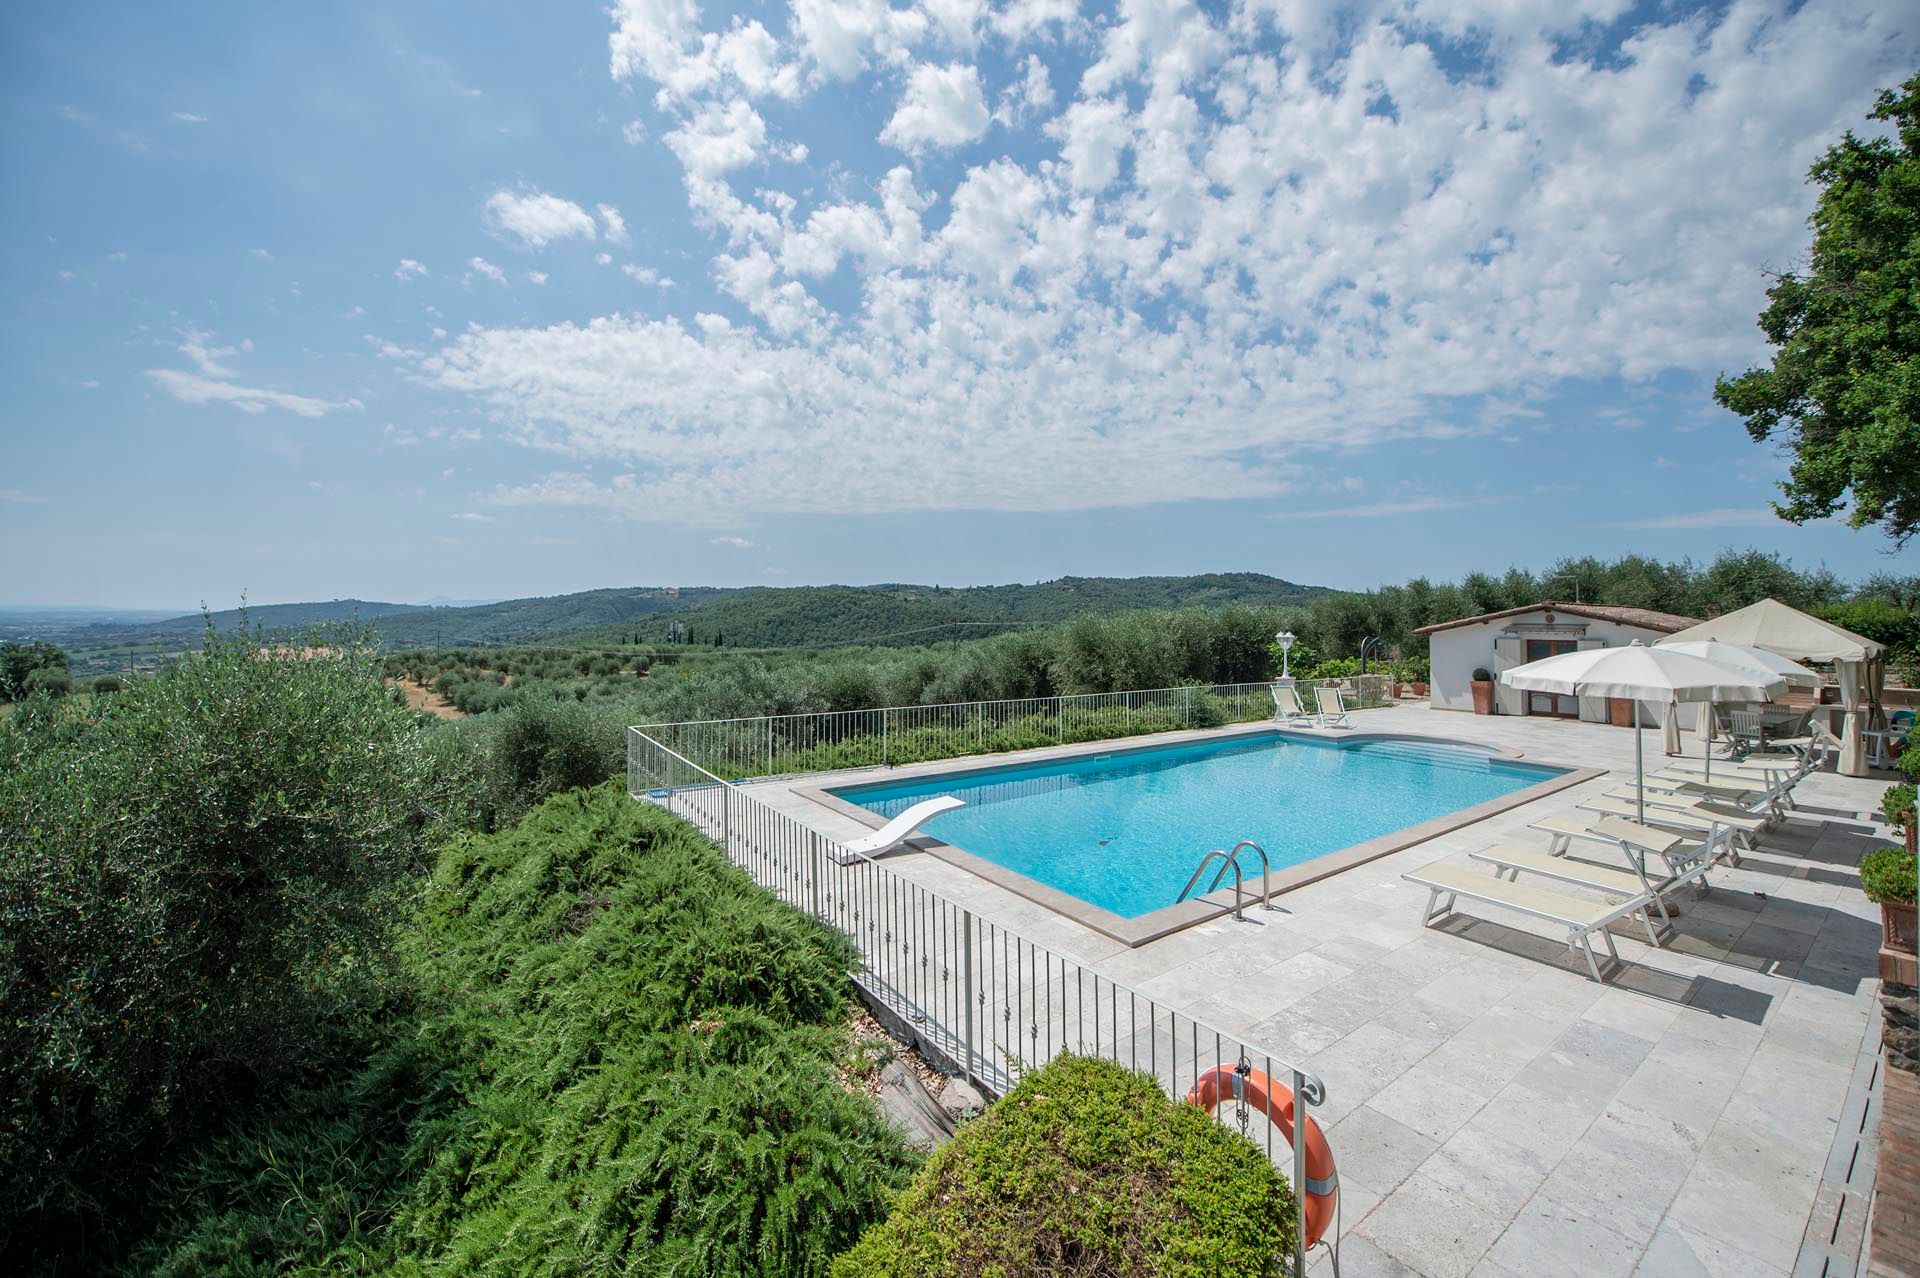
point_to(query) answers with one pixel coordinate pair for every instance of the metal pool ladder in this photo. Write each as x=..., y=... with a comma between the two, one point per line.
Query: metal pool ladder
x=1231, y=861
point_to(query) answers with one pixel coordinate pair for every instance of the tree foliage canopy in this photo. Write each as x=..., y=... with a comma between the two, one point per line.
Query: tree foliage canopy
x=1844, y=386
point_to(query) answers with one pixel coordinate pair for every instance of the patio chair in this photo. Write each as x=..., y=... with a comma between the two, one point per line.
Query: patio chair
x=1286, y=705
x=1333, y=708
x=1581, y=918
x=897, y=831
x=1747, y=730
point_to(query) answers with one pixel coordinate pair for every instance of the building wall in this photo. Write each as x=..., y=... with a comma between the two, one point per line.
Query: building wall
x=1457, y=652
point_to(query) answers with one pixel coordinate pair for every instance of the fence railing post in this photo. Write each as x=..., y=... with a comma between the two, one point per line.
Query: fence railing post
x=1299, y=1174
x=966, y=968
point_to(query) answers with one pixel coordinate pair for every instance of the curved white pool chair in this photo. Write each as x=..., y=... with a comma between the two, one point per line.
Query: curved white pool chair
x=897, y=831
x=1286, y=705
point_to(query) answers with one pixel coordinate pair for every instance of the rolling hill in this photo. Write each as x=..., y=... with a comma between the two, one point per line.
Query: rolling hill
x=769, y=616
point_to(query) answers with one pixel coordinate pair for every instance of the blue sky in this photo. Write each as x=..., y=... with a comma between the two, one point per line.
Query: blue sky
x=492, y=300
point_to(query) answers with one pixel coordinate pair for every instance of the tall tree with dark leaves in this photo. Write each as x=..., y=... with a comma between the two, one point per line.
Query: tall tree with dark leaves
x=1843, y=393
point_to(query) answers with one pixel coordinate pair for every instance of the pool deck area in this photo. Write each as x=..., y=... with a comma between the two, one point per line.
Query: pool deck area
x=1492, y=1110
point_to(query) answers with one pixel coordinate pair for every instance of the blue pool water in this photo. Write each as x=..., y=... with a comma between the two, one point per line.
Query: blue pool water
x=1124, y=831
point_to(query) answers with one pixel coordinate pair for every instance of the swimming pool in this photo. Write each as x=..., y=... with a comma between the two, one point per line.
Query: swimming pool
x=1124, y=831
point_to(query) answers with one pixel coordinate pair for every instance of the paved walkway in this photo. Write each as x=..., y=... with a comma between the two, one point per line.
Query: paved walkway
x=1493, y=1111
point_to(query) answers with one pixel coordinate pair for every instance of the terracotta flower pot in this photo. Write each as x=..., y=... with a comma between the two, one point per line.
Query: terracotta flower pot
x=1897, y=921
x=1483, y=696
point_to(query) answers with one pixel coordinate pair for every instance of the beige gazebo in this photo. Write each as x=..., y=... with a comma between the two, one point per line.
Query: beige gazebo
x=1859, y=663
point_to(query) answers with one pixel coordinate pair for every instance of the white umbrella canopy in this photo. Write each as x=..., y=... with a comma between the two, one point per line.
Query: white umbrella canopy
x=1778, y=628
x=1641, y=674
x=1757, y=661
x=1739, y=656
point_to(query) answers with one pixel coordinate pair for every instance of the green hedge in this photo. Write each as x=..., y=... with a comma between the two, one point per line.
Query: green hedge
x=623, y=1062
x=1086, y=1168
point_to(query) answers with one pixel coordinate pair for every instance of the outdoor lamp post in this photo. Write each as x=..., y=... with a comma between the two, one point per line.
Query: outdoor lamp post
x=1285, y=640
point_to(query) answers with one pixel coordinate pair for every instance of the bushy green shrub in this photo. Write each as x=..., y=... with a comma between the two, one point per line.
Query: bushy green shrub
x=19, y=660
x=1085, y=1168
x=52, y=680
x=1897, y=804
x=107, y=684
x=1887, y=874
x=539, y=747
x=196, y=881
x=622, y=1063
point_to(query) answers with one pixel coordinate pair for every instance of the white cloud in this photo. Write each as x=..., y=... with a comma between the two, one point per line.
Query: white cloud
x=734, y=543
x=536, y=278
x=354, y=312
x=16, y=497
x=192, y=389
x=603, y=259
x=640, y=274
x=214, y=383
x=616, y=226
x=474, y=517
x=538, y=218
x=481, y=266
x=188, y=117
x=1392, y=509
x=1213, y=248
x=718, y=138
x=260, y=253
x=943, y=107
x=1720, y=517
x=1028, y=96
x=407, y=270
x=634, y=132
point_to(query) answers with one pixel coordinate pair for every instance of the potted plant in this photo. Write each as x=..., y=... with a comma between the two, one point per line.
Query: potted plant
x=1887, y=877
x=1482, y=691
x=1898, y=805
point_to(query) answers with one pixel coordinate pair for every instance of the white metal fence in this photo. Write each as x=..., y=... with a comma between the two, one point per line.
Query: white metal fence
x=778, y=745
x=989, y=1002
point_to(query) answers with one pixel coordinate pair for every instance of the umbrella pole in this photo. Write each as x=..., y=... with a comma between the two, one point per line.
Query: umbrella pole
x=1706, y=741
x=1639, y=766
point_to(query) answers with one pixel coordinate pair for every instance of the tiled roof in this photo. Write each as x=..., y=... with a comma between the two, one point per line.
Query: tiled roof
x=1645, y=618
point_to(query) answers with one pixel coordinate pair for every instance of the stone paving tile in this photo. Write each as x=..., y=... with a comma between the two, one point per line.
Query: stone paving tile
x=1359, y=1258
x=1431, y=1228
x=1747, y=1191
x=1432, y=1099
x=1548, y=1126
x=1625, y=1171
x=1377, y=1150
x=1490, y=1172
x=1679, y=1252
x=1550, y=1239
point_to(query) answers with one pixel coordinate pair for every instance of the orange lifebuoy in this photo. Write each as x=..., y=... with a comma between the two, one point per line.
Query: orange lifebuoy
x=1275, y=1100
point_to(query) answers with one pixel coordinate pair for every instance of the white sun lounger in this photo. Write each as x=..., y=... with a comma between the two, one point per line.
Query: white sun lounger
x=1620, y=803
x=1692, y=813
x=1286, y=705
x=1333, y=708
x=1508, y=860
x=897, y=831
x=1687, y=861
x=1581, y=918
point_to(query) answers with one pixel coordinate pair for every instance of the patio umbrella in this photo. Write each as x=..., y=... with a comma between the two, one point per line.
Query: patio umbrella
x=1755, y=661
x=1642, y=674
x=1776, y=627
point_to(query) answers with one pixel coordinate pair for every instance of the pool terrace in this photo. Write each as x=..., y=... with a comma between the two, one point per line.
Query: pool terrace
x=1492, y=1110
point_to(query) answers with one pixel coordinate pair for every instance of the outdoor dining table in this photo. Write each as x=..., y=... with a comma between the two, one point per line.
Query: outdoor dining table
x=1781, y=721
